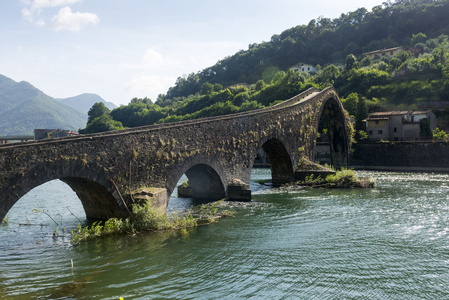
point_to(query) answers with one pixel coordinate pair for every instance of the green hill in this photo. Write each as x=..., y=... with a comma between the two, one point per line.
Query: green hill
x=25, y=108
x=324, y=41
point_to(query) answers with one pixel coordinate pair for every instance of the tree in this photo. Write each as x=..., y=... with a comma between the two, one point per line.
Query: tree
x=217, y=87
x=440, y=134
x=260, y=84
x=418, y=38
x=96, y=111
x=101, y=124
x=424, y=128
x=361, y=114
x=207, y=89
x=351, y=61
x=350, y=103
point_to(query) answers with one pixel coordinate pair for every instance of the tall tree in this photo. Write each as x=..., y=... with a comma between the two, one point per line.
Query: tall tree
x=97, y=110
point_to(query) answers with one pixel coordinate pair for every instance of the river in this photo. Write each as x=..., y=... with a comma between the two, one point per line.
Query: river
x=390, y=242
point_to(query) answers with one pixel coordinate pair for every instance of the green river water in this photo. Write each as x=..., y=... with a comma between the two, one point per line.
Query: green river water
x=390, y=242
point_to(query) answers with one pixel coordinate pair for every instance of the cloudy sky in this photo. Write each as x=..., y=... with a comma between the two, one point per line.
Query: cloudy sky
x=120, y=49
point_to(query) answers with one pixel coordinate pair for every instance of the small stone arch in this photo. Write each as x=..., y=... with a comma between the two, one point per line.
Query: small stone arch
x=204, y=182
x=332, y=115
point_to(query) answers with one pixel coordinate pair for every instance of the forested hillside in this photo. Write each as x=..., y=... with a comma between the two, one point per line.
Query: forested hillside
x=417, y=74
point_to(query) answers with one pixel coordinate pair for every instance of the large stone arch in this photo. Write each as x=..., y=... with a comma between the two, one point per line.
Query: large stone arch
x=99, y=199
x=280, y=160
x=332, y=114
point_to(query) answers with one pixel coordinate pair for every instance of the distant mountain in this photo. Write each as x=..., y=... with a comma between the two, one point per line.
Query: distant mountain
x=84, y=102
x=24, y=108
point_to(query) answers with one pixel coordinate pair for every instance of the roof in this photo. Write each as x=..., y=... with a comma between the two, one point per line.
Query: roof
x=301, y=64
x=385, y=115
x=383, y=50
x=422, y=112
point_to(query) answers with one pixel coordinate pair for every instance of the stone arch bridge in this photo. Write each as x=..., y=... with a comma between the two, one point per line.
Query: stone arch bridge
x=108, y=170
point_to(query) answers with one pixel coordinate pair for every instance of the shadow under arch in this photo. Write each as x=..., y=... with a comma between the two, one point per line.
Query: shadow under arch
x=332, y=147
x=280, y=162
x=203, y=183
x=98, y=201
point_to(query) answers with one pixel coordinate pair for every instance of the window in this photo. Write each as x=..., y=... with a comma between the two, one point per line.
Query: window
x=377, y=122
x=395, y=129
x=370, y=132
x=379, y=131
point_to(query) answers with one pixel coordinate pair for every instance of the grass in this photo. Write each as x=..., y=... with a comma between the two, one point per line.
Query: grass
x=147, y=217
x=344, y=178
x=5, y=220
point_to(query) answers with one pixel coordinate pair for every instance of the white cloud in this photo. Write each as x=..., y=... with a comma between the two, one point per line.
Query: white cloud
x=35, y=12
x=68, y=20
x=152, y=57
x=27, y=14
x=39, y=4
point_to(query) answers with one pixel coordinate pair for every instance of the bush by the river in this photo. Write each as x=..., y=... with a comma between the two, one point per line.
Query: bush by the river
x=344, y=178
x=147, y=217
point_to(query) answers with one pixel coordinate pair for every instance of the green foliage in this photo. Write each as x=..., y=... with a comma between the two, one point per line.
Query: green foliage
x=362, y=135
x=101, y=124
x=146, y=217
x=5, y=221
x=350, y=103
x=96, y=111
x=440, y=135
x=351, y=62
x=418, y=38
x=185, y=184
x=260, y=84
x=361, y=114
x=207, y=88
x=424, y=127
x=347, y=178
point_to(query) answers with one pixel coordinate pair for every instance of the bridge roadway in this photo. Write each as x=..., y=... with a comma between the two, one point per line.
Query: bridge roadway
x=109, y=170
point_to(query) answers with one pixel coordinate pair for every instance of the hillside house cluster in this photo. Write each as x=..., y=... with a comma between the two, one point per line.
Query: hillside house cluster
x=398, y=125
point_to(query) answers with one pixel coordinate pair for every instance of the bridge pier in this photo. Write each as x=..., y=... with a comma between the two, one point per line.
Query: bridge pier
x=239, y=191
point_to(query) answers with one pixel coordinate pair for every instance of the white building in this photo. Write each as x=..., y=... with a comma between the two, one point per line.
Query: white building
x=303, y=68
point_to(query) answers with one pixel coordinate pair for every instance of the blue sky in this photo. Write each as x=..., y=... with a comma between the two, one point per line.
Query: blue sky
x=120, y=49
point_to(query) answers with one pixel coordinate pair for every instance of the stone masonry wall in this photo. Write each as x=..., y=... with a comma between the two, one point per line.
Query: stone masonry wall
x=402, y=156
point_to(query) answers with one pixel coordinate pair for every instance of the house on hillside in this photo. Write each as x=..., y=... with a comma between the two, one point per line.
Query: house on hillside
x=384, y=52
x=40, y=134
x=303, y=68
x=398, y=125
